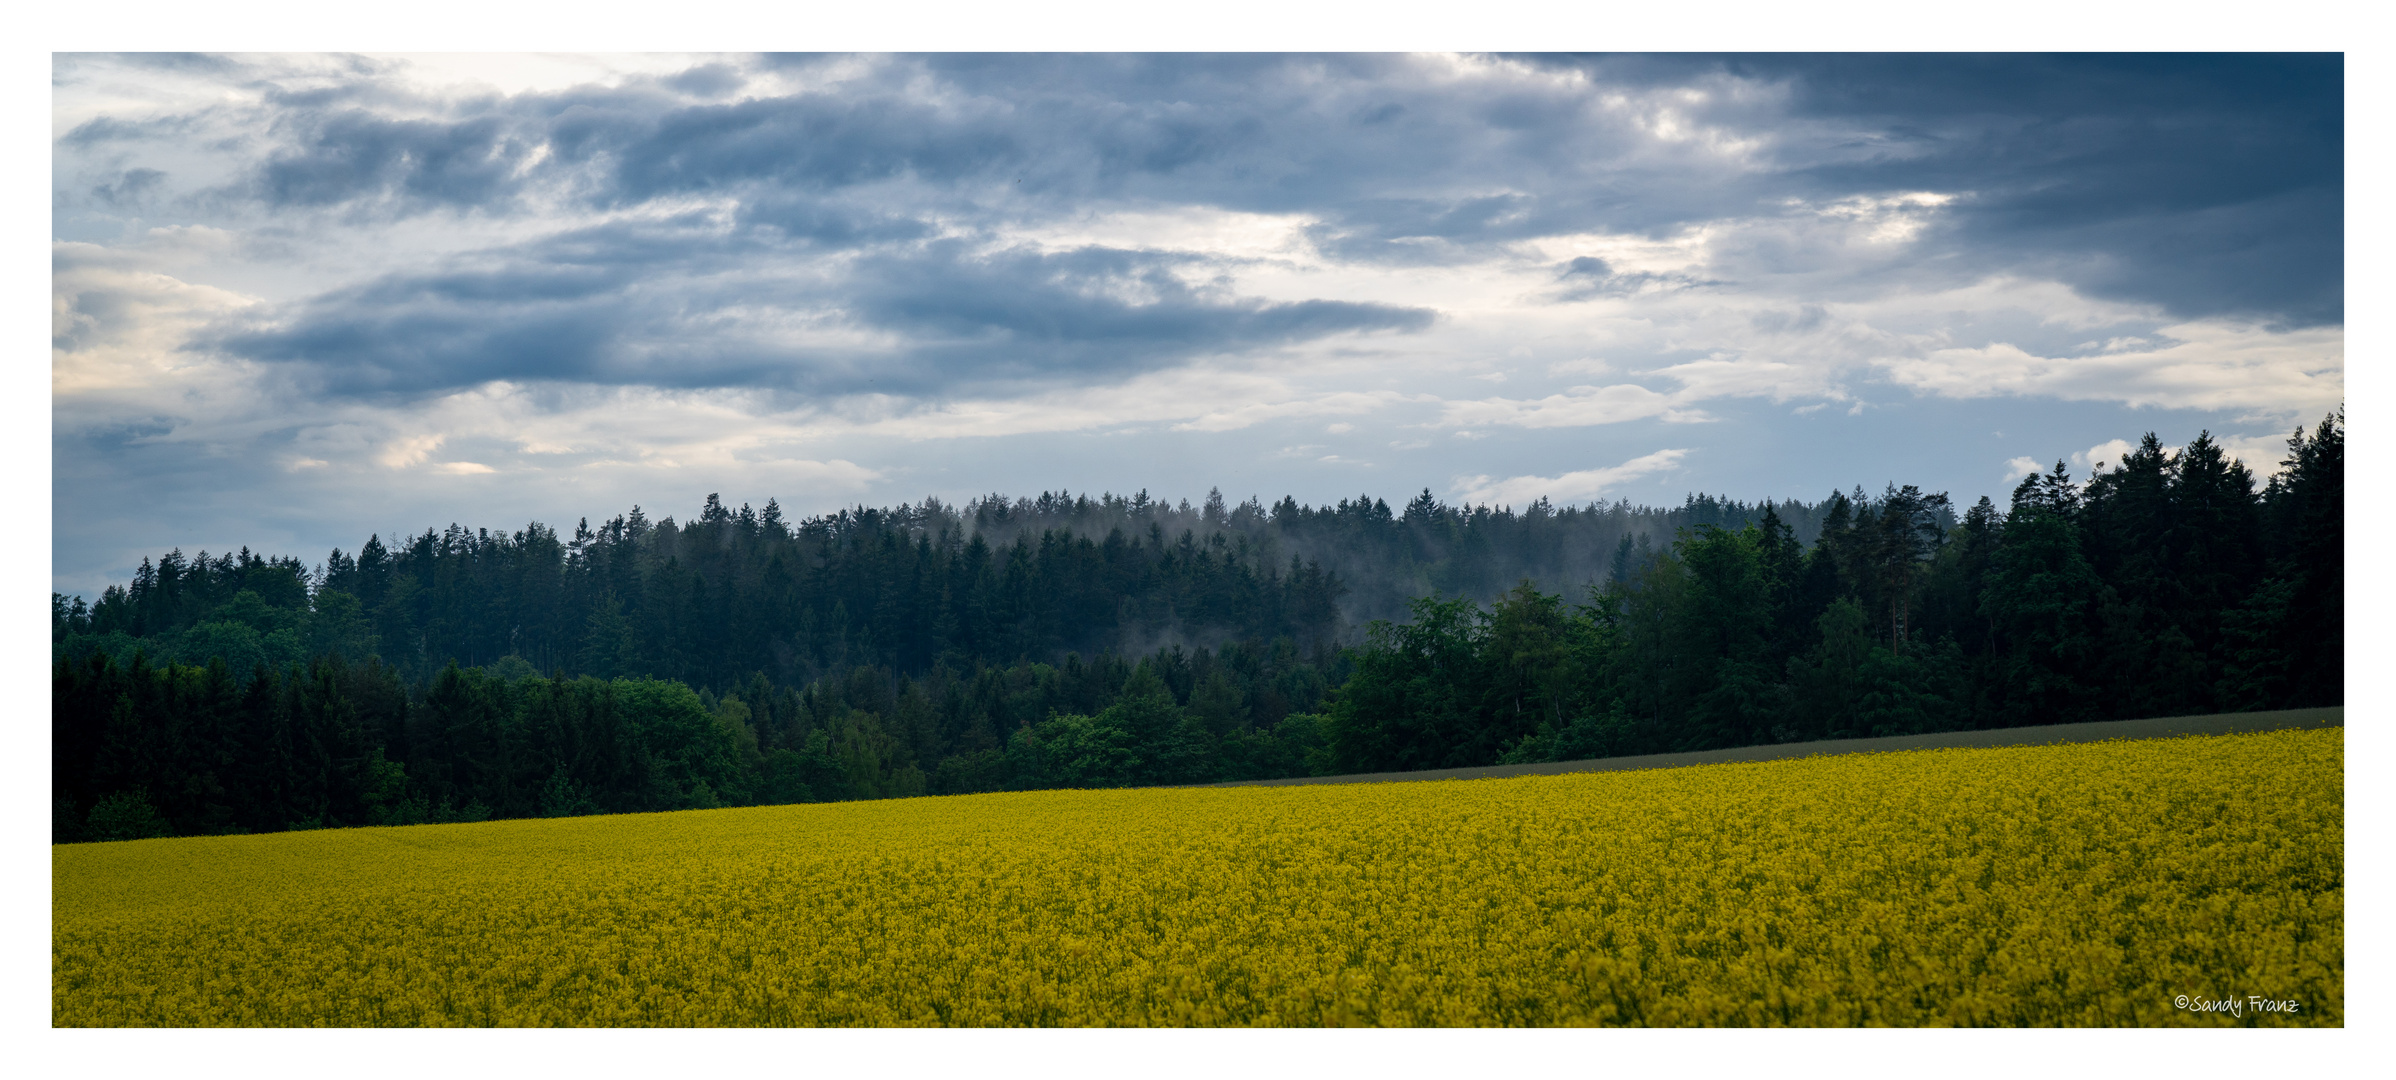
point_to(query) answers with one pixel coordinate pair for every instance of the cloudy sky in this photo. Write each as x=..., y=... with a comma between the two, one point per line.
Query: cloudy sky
x=299, y=299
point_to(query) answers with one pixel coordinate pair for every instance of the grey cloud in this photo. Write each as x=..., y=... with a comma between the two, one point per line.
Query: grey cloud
x=2207, y=183
x=130, y=187
x=1428, y=231
x=1805, y=319
x=1589, y=277
x=707, y=80
x=349, y=345
x=2279, y=257
x=1258, y=133
x=567, y=308
x=813, y=143
x=109, y=129
x=1023, y=316
x=354, y=154
x=65, y=65
x=650, y=305
x=828, y=223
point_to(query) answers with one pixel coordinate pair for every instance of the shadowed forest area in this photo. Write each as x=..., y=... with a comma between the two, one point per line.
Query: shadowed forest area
x=741, y=658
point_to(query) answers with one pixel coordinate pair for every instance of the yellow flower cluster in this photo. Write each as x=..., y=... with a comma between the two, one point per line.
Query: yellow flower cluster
x=2110, y=883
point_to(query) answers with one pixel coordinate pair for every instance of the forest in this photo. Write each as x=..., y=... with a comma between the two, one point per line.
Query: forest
x=742, y=658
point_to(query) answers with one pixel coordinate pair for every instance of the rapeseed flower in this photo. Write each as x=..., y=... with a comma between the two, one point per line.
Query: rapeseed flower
x=2061, y=885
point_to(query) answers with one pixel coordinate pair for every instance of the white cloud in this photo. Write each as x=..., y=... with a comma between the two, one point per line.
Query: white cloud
x=1222, y=417
x=116, y=325
x=409, y=450
x=1685, y=251
x=463, y=73
x=1891, y=219
x=2261, y=454
x=2016, y=468
x=1578, y=407
x=1753, y=375
x=2197, y=365
x=1582, y=486
x=1227, y=234
x=2109, y=453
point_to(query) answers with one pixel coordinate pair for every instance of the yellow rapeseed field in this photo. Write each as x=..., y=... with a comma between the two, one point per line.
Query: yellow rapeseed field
x=2089, y=884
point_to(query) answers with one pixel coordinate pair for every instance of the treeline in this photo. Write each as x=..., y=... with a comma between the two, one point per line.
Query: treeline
x=741, y=659
x=2166, y=586
x=907, y=588
x=710, y=602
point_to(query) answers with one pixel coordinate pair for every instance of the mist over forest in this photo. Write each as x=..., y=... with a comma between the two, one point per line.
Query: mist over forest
x=1330, y=572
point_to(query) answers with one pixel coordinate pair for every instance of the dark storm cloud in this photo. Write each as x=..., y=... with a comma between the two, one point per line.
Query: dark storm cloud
x=651, y=305
x=2210, y=184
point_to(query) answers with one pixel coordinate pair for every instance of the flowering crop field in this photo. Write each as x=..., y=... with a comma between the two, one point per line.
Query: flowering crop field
x=2135, y=883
